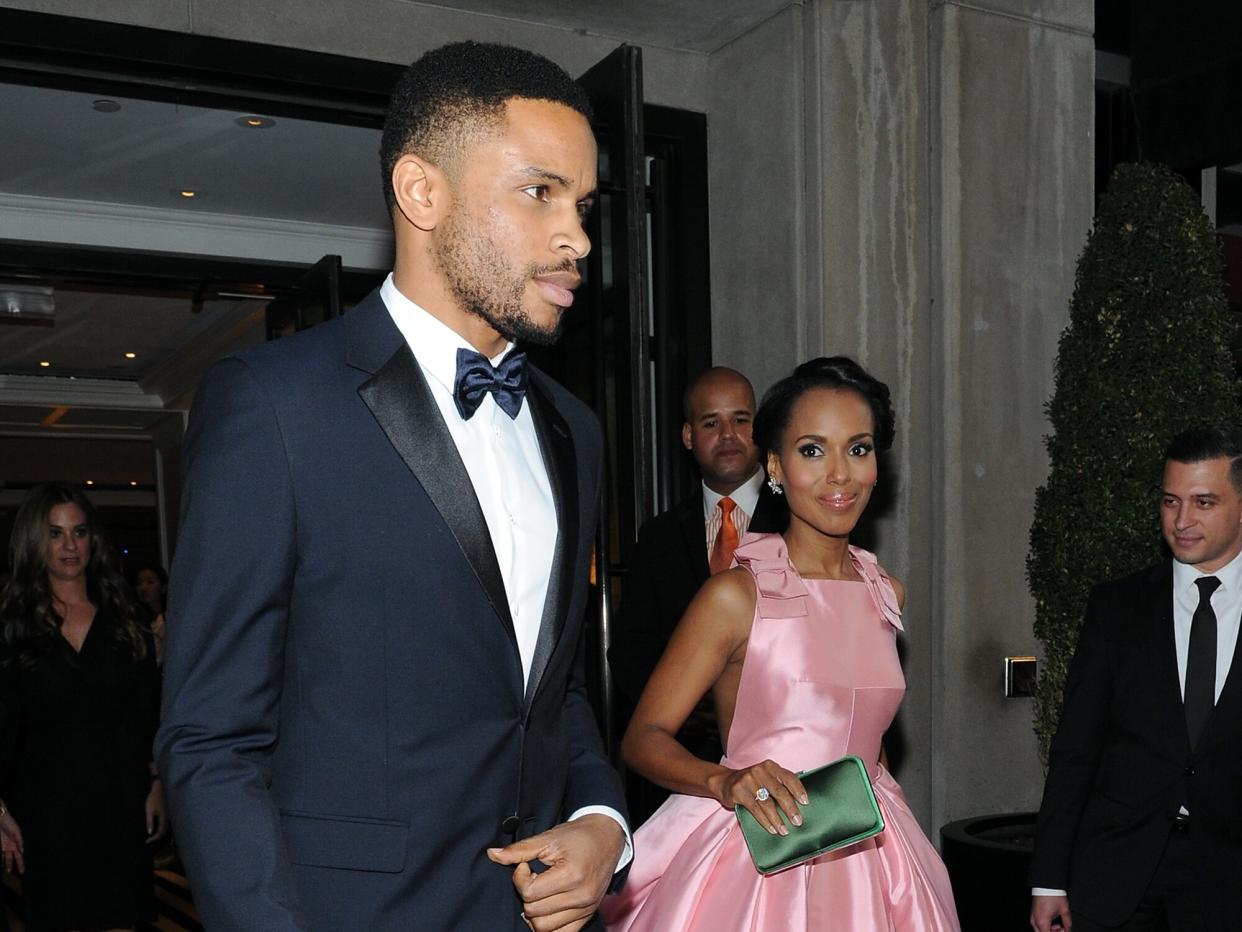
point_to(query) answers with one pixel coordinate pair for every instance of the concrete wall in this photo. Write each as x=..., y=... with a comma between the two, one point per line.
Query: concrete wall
x=1012, y=189
x=764, y=302
x=912, y=187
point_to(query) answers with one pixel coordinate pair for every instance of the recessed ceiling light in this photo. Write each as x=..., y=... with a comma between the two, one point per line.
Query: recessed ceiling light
x=106, y=106
x=255, y=122
x=90, y=481
x=188, y=193
x=44, y=363
x=131, y=355
x=132, y=482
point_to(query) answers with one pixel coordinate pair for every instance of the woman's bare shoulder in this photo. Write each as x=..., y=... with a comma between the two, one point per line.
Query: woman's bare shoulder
x=724, y=600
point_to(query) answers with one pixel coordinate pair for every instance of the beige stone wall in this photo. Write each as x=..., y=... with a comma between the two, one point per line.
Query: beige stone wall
x=923, y=185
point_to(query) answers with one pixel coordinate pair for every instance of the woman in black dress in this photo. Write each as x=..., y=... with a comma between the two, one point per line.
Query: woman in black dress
x=79, y=702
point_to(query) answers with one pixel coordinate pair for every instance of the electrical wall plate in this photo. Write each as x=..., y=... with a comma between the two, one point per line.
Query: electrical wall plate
x=1020, y=676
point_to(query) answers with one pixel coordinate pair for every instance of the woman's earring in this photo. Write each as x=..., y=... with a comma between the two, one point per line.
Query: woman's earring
x=775, y=486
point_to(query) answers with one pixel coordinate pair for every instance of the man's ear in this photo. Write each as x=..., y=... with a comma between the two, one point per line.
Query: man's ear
x=421, y=190
x=686, y=436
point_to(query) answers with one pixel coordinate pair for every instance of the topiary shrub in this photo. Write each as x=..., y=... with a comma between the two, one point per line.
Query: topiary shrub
x=1146, y=354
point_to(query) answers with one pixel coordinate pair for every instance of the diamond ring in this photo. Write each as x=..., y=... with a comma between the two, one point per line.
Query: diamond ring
x=762, y=795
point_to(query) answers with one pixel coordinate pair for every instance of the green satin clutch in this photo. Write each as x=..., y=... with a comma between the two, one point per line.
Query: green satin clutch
x=841, y=811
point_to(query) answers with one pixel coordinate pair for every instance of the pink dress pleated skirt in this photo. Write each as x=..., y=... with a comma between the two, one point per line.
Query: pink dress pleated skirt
x=821, y=680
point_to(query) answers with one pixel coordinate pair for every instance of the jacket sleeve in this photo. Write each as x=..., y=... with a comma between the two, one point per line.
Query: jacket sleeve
x=1074, y=755
x=229, y=595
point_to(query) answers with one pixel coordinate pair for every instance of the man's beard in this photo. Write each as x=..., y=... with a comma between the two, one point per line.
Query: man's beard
x=485, y=283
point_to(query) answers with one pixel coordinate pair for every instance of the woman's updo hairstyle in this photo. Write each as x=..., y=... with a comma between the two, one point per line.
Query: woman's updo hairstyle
x=835, y=372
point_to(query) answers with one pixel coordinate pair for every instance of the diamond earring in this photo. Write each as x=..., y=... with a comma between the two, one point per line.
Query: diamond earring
x=775, y=486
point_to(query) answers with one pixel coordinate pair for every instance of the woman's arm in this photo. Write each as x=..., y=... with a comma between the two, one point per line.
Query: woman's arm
x=711, y=635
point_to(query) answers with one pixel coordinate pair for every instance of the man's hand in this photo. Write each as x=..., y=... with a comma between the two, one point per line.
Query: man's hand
x=581, y=856
x=1044, y=909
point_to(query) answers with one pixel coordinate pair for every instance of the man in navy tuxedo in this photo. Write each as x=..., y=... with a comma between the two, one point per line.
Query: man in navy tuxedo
x=1141, y=822
x=374, y=713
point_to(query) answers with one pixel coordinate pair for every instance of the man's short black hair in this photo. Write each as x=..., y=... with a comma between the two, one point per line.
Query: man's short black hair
x=453, y=92
x=1209, y=442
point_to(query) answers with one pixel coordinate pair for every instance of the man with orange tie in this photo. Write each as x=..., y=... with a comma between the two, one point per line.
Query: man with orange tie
x=679, y=549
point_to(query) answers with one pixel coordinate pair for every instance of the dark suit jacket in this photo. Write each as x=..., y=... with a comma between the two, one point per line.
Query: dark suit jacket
x=1121, y=764
x=669, y=566
x=346, y=728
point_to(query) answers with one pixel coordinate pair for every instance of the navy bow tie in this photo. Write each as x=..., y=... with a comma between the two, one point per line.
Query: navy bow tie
x=476, y=377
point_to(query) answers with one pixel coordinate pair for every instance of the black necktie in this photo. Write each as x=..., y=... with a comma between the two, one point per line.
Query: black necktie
x=476, y=377
x=1200, y=694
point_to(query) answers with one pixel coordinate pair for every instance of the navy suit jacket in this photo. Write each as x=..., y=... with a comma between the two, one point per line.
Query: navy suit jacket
x=345, y=726
x=1121, y=764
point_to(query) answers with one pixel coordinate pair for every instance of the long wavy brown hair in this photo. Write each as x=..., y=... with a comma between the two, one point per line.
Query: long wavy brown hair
x=29, y=623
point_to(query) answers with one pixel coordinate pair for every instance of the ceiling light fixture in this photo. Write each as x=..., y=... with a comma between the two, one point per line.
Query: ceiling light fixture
x=44, y=363
x=188, y=193
x=131, y=355
x=106, y=106
x=90, y=481
x=132, y=482
x=252, y=121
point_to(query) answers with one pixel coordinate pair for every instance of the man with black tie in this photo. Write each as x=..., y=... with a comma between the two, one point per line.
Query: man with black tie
x=679, y=549
x=374, y=709
x=1141, y=822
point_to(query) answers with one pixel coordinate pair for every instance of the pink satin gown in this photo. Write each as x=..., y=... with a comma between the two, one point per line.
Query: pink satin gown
x=821, y=680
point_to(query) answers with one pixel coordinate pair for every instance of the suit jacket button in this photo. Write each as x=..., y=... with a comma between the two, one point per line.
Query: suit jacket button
x=510, y=825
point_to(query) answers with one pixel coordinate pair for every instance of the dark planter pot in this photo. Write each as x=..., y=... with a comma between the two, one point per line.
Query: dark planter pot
x=988, y=859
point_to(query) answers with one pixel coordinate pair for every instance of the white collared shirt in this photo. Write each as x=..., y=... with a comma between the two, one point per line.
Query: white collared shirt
x=505, y=466
x=745, y=497
x=510, y=480
x=1226, y=604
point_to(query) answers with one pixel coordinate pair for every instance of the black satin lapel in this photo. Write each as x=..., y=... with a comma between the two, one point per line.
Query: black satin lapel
x=401, y=402
x=694, y=534
x=557, y=447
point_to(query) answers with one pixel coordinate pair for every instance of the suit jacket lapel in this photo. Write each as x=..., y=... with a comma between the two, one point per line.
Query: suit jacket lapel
x=401, y=402
x=694, y=534
x=557, y=447
x=1164, y=654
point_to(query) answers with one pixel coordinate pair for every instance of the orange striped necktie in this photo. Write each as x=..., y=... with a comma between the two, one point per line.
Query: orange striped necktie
x=726, y=539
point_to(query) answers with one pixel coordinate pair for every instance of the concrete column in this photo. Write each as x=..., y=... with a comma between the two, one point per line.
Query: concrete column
x=909, y=183
x=1012, y=114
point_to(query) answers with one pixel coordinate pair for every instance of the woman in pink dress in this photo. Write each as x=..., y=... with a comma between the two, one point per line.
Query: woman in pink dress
x=797, y=644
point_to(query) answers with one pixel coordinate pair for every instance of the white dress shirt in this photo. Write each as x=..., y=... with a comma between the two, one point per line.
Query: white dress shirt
x=745, y=497
x=506, y=468
x=1227, y=605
